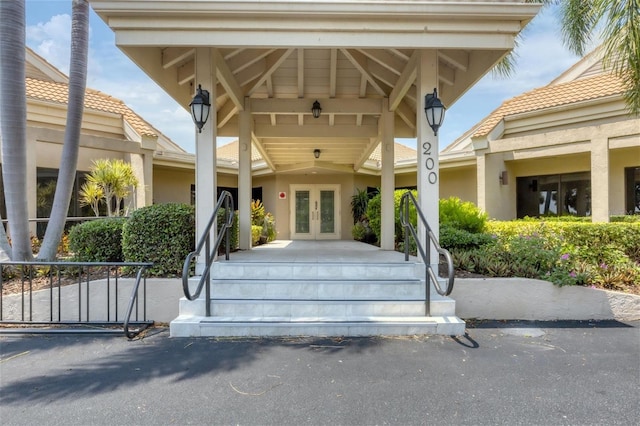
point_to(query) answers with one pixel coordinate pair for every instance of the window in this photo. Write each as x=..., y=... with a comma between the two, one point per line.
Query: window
x=46, y=188
x=554, y=195
x=632, y=190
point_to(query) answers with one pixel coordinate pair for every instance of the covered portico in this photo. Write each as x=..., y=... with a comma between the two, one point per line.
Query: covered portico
x=368, y=64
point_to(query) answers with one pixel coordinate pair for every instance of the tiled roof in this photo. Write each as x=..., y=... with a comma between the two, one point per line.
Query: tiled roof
x=400, y=153
x=229, y=152
x=93, y=99
x=599, y=86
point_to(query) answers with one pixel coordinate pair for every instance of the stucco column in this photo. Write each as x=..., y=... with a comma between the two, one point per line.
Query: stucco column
x=206, y=196
x=387, y=186
x=244, y=175
x=427, y=146
x=142, y=165
x=600, y=179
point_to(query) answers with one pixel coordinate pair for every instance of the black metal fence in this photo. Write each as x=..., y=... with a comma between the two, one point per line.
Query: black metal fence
x=74, y=297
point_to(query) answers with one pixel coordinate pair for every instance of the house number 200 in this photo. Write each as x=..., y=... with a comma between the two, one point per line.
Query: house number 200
x=429, y=163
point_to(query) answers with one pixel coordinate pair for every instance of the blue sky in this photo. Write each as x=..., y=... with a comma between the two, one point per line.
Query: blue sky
x=541, y=57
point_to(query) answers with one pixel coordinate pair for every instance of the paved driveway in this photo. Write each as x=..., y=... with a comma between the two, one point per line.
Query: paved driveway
x=500, y=373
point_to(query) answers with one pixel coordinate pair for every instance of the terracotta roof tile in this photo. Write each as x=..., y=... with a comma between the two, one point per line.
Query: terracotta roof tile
x=585, y=89
x=95, y=100
x=400, y=153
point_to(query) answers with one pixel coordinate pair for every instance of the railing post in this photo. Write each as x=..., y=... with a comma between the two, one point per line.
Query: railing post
x=207, y=290
x=405, y=207
x=428, y=275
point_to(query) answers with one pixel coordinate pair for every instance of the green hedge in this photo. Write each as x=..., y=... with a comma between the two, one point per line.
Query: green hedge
x=97, y=240
x=605, y=254
x=162, y=234
x=595, y=239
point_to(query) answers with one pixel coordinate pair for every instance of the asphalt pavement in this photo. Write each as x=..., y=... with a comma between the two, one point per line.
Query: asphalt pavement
x=511, y=373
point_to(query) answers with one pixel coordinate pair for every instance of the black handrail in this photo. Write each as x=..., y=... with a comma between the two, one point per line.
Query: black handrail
x=134, y=299
x=55, y=266
x=205, y=241
x=425, y=253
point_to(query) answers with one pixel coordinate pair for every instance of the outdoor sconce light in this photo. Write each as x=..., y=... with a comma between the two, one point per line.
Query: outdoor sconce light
x=434, y=111
x=200, y=107
x=316, y=153
x=315, y=110
x=503, y=177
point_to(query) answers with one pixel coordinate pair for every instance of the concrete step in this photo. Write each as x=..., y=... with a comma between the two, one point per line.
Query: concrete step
x=189, y=326
x=316, y=270
x=367, y=289
x=287, y=308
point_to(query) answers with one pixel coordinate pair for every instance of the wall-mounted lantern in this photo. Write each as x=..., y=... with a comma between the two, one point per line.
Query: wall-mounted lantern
x=200, y=107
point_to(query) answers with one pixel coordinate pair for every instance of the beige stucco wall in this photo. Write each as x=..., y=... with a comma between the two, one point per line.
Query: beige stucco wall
x=282, y=210
x=459, y=182
x=619, y=159
x=172, y=185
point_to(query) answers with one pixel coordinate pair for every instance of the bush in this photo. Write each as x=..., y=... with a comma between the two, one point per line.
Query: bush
x=256, y=232
x=97, y=240
x=269, y=228
x=233, y=232
x=603, y=254
x=464, y=216
x=452, y=238
x=162, y=234
x=374, y=209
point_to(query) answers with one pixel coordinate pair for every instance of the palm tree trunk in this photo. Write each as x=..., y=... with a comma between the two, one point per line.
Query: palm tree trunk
x=75, y=108
x=13, y=122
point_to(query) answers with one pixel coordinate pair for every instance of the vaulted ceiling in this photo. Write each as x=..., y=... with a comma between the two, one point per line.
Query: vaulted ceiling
x=355, y=58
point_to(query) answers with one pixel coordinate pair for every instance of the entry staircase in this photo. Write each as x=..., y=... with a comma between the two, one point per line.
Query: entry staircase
x=314, y=297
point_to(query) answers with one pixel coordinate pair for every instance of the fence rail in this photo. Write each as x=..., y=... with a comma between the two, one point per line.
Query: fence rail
x=91, y=295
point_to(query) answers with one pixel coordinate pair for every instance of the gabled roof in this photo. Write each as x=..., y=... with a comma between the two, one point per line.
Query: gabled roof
x=585, y=81
x=45, y=82
x=95, y=100
x=598, y=86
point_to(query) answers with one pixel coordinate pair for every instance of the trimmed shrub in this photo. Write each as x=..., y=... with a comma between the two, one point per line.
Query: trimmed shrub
x=606, y=254
x=452, y=238
x=97, y=240
x=163, y=234
x=462, y=215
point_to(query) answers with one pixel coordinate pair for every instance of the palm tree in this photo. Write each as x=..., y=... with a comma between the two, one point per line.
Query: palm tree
x=620, y=24
x=13, y=125
x=75, y=108
x=91, y=195
x=114, y=179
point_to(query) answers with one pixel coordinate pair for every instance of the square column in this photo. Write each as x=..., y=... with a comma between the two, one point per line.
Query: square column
x=387, y=187
x=427, y=145
x=206, y=193
x=600, y=179
x=244, y=175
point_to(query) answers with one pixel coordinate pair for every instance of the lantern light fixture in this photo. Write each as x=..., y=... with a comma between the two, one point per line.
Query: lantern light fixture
x=316, y=109
x=316, y=153
x=434, y=110
x=200, y=107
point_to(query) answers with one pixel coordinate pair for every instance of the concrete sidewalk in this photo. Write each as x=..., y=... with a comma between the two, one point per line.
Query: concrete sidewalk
x=548, y=373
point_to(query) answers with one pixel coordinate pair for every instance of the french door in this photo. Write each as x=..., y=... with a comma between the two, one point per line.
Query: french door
x=315, y=212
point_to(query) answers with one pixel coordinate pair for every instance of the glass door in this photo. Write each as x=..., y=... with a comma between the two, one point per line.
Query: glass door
x=315, y=212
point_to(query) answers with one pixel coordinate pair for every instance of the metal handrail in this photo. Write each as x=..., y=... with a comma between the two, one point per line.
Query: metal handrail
x=205, y=241
x=133, y=299
x=56, y=265
x=425, y=253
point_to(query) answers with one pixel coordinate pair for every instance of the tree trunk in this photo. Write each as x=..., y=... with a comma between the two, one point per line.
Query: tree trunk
x=75, y=108
x=13, y=122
